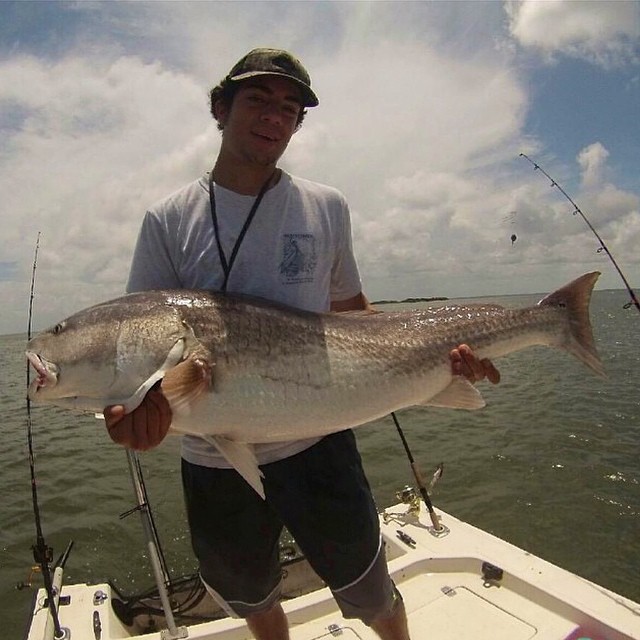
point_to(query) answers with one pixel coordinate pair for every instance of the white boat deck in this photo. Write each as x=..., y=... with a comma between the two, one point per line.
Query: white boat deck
x=445, y=594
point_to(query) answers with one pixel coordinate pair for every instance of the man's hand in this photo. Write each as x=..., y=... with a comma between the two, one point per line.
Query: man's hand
x=465, y=363
x=145, y=427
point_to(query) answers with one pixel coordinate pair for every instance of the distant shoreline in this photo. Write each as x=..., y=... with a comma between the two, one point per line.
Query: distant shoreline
x=407, y=300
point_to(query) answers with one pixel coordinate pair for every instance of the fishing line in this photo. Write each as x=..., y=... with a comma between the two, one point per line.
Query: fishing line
x=603, y=247
x=42, y=554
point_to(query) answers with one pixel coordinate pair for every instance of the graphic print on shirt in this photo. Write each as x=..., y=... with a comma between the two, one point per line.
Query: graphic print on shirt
x=299, y=258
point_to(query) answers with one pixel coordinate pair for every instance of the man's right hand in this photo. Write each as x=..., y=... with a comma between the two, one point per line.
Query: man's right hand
x=145, y=427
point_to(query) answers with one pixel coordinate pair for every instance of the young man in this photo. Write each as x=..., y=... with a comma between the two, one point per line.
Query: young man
x=250, y=227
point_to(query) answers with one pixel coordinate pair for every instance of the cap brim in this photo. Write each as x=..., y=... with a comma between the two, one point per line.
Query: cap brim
x=308, y=96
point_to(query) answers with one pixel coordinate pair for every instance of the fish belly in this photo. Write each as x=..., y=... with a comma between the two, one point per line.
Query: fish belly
x=270, y=411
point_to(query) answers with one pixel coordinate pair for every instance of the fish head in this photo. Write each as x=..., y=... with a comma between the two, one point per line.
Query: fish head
x=111, y=353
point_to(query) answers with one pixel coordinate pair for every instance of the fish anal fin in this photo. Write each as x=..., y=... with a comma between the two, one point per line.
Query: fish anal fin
x=240, y=455
x=459, y=394
x=186, y=382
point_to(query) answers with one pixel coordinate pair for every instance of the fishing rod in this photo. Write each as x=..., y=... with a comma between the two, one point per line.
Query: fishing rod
x=156, y=557
x=418, y=476
x=42, y=554
x=603, y=247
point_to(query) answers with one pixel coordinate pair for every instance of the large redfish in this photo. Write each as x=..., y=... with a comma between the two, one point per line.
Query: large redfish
x=240, y=370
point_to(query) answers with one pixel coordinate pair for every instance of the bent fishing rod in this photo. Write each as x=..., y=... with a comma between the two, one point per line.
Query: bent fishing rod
x=603, y=247
x=42, y=554
x=634, y=301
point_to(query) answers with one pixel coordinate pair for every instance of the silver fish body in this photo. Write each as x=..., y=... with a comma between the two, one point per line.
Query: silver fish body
x=242, y=370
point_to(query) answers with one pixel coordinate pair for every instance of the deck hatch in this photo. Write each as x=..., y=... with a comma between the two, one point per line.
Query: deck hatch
x=481, y=619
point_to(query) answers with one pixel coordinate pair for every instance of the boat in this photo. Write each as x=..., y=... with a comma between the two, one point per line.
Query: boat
x=457, y=581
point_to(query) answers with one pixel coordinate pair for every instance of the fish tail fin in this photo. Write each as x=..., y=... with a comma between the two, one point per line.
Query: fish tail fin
x=575, y=298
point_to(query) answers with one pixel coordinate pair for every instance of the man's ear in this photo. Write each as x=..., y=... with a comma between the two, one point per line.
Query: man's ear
x=220, y=112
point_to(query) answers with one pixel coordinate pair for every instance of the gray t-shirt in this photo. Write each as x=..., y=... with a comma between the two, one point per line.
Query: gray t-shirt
x=297, y=251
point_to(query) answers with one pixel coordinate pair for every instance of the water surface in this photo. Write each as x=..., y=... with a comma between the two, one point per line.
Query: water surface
x=551, y=465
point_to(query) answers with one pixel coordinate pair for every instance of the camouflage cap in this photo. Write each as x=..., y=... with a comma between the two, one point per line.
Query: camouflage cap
x=275, y=62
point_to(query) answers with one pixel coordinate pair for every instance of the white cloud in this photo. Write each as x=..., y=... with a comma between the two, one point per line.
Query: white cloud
x=592, y=161
x=615, y=213
x=415, y=149
x=93, y=149
x=601, y=31
x=421, y=138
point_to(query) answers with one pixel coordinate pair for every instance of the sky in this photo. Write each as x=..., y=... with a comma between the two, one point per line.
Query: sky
x=425, y=108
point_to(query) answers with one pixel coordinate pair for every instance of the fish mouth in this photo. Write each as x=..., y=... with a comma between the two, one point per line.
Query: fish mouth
x=47, y=373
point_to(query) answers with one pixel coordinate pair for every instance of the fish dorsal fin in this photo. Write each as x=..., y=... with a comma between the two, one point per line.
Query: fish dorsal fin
x=459, y=394
x=176, y=353
x=186, y=382
x=241, y=456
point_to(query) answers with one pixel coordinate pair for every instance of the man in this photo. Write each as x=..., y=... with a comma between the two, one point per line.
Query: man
x=250, y=227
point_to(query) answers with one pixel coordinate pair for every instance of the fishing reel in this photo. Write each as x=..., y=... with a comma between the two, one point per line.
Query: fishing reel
x=28, y=584
x=41, y=554
x=409, y=497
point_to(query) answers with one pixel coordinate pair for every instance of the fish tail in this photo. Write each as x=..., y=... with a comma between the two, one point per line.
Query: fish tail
x=575, y=298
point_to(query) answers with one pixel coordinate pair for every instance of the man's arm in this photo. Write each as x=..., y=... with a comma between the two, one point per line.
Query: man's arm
x=359, y=302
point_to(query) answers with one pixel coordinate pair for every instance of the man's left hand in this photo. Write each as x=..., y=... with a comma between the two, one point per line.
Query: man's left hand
x=465, y=363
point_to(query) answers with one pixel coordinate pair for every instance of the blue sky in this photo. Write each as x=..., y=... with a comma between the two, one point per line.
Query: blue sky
x=424, y=110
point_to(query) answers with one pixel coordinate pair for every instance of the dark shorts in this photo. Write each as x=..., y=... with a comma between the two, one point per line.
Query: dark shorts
x=323, y=497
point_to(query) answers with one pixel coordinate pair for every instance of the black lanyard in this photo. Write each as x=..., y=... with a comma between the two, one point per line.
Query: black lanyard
x=226, y=266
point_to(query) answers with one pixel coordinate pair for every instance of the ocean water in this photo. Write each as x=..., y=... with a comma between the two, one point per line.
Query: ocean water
x=552, y=465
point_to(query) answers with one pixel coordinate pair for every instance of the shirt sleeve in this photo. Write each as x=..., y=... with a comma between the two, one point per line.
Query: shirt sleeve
x=152, y=266
x=345, y=276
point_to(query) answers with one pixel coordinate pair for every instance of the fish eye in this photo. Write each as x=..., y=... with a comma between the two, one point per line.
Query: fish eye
x=58, y=328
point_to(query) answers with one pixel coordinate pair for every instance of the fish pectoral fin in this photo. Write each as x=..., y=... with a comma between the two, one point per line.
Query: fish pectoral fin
x=240, y=455
x=186, y=382
x=460, y=394
x=173, y=357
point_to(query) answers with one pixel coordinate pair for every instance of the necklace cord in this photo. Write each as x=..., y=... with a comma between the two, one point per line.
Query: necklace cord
x=227, y=266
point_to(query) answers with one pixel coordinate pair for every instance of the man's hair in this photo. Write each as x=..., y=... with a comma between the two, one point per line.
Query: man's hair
x=225, y=92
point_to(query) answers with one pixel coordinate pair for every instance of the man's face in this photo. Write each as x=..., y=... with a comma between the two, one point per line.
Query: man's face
x=261, y=120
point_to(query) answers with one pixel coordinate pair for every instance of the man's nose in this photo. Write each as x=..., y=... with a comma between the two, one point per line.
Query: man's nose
x=272, y=112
